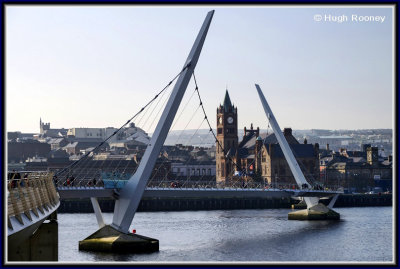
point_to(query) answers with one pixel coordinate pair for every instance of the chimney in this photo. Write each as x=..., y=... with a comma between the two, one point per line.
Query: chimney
x=251, y=126
x=287, y=131
x=316, y=150
x=372, y=155
x=258, y=132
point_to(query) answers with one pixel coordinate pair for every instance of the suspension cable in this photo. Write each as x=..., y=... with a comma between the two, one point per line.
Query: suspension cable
x=115, y=132
x=209, y=125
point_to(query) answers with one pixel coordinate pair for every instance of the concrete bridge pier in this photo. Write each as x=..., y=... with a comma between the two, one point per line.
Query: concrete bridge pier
x=317, y=211
x=109, y=239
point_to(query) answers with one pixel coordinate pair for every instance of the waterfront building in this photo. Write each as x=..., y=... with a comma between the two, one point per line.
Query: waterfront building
x=193, y=169
x=357, y=170
x=130, y=133
x=258, y=156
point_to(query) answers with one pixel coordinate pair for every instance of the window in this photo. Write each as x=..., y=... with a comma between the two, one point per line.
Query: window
x=219, y=130
x=204, y=171
x=198, y=172
x=209, y=171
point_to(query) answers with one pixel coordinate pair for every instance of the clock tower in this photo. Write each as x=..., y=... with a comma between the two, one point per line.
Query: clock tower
x=227, y=139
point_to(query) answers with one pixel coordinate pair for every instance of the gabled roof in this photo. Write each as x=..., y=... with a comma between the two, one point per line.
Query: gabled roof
x=55, y=140
x=71, y=145
x=58, y=154
x=299, y=150
x=249, y=140
x=53, y=133
x=358, y=159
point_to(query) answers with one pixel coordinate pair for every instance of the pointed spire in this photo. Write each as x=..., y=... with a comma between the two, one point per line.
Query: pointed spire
x=227, y=102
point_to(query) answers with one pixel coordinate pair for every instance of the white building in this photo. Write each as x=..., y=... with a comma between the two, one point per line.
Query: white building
x=182, y=169
x=127, y=134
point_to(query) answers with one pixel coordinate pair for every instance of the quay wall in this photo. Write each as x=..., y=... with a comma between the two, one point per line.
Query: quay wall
x=182, y=204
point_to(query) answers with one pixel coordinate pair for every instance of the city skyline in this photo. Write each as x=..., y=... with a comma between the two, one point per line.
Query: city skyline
x=84, y=66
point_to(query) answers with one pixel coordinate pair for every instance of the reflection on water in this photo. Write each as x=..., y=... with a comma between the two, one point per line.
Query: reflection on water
x=362, y=234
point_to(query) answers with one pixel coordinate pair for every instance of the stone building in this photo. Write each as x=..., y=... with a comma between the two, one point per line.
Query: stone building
x=360, y=173
x=46, y=131
x=258, y=157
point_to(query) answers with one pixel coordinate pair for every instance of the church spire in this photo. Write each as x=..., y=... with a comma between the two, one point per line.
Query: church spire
x=227, y=102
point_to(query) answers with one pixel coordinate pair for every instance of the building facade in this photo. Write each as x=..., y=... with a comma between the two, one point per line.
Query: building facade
x=258, y=157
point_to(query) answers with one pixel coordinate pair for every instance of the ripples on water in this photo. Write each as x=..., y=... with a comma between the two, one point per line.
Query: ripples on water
x=362, y=234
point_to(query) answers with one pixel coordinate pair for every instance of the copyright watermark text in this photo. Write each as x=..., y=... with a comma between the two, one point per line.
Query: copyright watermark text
x=346, y=18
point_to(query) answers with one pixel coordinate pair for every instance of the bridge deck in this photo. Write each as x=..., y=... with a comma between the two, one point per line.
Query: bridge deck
x=153, y=192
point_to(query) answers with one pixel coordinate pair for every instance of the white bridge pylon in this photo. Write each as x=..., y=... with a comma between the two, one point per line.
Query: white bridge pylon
x=287, y=152
x=131, y=194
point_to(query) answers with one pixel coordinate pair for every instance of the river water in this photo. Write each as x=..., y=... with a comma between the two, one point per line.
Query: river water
x=363, y=234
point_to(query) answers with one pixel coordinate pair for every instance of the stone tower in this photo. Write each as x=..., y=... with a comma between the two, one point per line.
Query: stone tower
x=227, y=138
x=44, y=126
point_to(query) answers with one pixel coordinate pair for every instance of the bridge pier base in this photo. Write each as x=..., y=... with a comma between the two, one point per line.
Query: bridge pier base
x=108, y=239
x=317, y=212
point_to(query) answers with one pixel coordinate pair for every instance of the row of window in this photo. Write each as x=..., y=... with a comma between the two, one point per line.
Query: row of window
x=193, y=171
x=90, y=134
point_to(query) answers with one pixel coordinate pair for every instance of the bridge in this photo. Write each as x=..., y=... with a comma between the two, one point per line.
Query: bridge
x=194, y=192
x=81, y=180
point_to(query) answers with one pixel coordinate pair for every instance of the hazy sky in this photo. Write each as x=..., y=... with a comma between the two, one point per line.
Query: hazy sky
x=78, y=66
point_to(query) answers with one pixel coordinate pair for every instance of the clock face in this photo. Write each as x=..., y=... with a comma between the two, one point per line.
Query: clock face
x=230, y=120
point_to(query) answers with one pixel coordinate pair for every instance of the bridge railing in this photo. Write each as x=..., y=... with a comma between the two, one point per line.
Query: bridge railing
x=35, y=191
x=236, y=185
x=187, y=184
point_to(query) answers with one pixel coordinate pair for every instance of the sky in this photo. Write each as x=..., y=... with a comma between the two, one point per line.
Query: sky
x=96, y=66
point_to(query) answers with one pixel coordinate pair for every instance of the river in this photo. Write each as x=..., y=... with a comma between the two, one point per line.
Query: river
x=363, y=234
